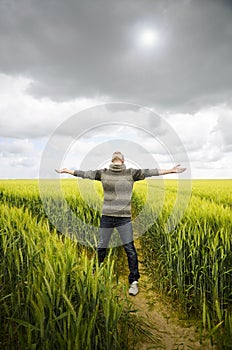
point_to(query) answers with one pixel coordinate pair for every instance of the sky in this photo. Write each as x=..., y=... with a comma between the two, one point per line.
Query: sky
x=80, y=79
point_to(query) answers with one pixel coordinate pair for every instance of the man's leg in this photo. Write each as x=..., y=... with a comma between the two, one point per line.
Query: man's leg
x=106, y=230
x=126, y=235
x=132, y=262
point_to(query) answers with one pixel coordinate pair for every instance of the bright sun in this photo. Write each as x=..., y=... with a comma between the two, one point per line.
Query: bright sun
x=148, y=38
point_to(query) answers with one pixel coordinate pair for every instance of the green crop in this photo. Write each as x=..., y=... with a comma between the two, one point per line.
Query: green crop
x=49, y=297
x=192, y=263
x=53, y=295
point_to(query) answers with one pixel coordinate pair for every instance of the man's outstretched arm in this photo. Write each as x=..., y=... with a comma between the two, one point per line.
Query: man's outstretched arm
x=65, y=171
x=176, y=169
x=89, y=174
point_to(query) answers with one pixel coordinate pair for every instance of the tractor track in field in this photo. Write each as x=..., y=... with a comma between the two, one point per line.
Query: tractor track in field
x=171, y=332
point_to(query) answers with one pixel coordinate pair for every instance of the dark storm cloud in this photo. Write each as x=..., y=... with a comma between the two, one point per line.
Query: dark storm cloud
x=87, y=48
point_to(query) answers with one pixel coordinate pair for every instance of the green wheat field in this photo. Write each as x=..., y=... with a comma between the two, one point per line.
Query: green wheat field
x=53, y=295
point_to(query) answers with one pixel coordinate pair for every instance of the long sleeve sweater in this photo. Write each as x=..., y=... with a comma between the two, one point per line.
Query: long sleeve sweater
x=117, y=182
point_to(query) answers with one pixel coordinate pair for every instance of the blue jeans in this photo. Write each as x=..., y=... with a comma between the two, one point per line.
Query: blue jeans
x=124, y=227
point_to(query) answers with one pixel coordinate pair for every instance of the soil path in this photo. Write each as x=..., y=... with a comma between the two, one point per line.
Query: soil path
x=171, y=332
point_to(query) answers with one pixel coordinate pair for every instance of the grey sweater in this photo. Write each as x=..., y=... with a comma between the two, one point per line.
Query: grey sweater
x=117, y=182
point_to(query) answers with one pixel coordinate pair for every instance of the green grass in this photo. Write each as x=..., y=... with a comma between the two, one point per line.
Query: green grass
x=192, y=263
x=49, y=297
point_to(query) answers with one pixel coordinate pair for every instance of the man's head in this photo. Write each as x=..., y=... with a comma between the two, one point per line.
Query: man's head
x=117, y=157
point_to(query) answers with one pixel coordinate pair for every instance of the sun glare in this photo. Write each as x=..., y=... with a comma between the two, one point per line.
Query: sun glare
x=148, y=38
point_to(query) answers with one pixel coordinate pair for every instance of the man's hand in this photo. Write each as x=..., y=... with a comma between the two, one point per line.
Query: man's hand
x=64, y=171
x=177, y=169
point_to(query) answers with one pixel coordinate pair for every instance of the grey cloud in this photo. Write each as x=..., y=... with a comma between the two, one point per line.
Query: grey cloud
x=118, y=120
x=18, y=153
x=16, y=147
x=224, y=127
x=86, y=48
x=26, y=162
x=137, y=133
x=133, y=151
x=26, y=129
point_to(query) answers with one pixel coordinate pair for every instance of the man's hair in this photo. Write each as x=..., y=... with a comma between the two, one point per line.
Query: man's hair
x=117, y=155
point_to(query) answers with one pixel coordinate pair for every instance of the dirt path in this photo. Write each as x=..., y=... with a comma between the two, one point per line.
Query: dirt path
x=173, y=333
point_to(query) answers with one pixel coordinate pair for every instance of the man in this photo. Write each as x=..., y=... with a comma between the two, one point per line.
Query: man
x=117, y=182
